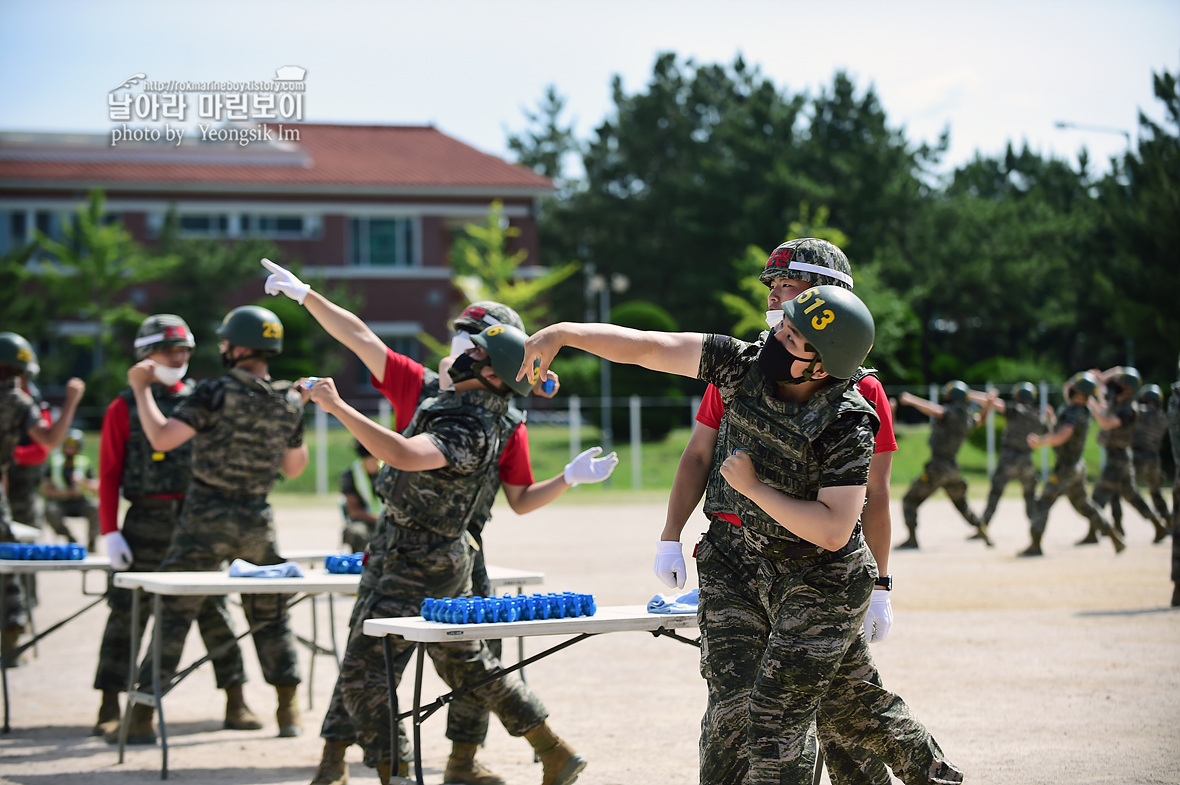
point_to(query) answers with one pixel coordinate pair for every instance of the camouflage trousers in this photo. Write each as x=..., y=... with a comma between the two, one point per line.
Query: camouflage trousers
x=215, y=528
x=419, y=565
x=15, y=611
x=147, y=528
x=937, y=474
x=1070, y=482
x=1012, y=465
x=785, y=658
x=356, y=534
x=24, y=495
x=57, y=510
x=1148, y=470
x=1118, y=480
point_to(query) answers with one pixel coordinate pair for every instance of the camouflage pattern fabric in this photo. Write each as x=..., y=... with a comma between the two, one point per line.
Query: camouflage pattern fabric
x=937, y=473
x=1174, y=435
x=781, y=436
x=420, y=564
x=782, y=643
x=948, y=432
x=24, y=494
x=244, y=425
x=1150, y=429
x=147, y=527
x=18, y=413
x=215, y=528
x=147, y=471
x=1119, y=437
x=57, y=510
x=1015, y=462
x=1068, y=480
x=1117, y=479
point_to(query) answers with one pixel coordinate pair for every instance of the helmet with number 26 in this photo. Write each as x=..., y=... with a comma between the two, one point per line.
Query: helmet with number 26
x=837, y=323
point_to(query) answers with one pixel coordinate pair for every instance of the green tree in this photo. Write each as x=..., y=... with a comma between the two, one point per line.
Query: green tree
x=545, y=146
x=88, y=275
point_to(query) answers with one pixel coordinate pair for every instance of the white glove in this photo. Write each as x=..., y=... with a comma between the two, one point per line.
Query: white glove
x=669, y=566
x=587, y=468
x=281, y=281
x=117, y=549
x=880, y=616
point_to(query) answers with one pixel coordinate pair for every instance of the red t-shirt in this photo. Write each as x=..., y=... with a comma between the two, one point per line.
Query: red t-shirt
x=403, y=384
x=712, y=408
x=33, y=453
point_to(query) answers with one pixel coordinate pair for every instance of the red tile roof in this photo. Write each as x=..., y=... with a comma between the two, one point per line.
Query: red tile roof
x=326, y=158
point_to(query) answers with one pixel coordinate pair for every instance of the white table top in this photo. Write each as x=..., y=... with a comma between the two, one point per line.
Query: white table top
x=203, y=583
x=610, y=618
x=91, y=562
x=501, y=577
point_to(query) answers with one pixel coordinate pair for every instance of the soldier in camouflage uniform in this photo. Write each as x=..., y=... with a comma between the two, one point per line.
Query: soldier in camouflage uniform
x=783, y=596
x=358, y=502
x=1174, y=435
x=246, y=428
x=19, y=416
x=1116, y=417
x=1021, y=418
x=1070, y=424
x=440, y=476
x=1151, y=425
x=28, y=467
x=154, y=483
x=953, y=420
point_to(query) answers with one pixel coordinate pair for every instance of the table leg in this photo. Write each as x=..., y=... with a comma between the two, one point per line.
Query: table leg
x=4, y=659
x=418, y=712
x=157, y=642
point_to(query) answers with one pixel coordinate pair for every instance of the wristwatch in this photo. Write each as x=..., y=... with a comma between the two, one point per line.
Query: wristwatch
x=885, y=582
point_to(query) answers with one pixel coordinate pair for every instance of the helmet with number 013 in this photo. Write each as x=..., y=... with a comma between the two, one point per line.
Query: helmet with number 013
x=162, y=331
x=1024, y=392
x=1151, y=393
x=483, y=314
x=253, y=327
x=505, y=347
x=16, y=352
x=837, y=324
x=1083, y=382
x=955, y=391
x=809, y=259
x=1128, y=377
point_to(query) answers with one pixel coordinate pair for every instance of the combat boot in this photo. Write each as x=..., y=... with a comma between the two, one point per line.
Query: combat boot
x=109, y=714
x=1161, y=531
x=464, y=769
x=332, y=770
x=1034, y=549
x=1176, y=594
x=1116, y=539
x=237, y=714
x=560, y=765
x=140, y=729
x=1091, y=537
x=384, y=770
x=912, y=542
x=288, y=715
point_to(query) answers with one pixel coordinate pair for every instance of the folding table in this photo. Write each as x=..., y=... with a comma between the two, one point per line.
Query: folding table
x=612, y=618
x=32, y=567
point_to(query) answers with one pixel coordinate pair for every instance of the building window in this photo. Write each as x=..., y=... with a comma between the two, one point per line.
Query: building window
x=384, y=242
x=283, y=227
x=204, y=225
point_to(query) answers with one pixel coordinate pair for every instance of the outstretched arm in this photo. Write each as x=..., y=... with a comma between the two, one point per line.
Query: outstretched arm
x=928, y=408
x=678, y=353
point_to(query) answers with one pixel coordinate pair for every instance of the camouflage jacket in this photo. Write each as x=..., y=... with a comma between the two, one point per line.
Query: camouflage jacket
x=1150, y=427
x=1119, y=437
x=18, y=413
x=949, y=431
x=149, y=472
x=1077, y=415
x=244, y=427
x=797, y=448
x=1020, y=420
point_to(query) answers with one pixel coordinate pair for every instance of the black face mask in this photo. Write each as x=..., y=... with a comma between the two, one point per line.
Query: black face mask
x=226, y=360
x=467, y=367
x=776, y=362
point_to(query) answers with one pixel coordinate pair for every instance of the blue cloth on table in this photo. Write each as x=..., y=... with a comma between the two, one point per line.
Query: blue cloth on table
x=674, y=603
x=240, y=568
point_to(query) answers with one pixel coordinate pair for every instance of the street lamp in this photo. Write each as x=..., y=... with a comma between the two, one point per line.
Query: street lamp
x=617, y=283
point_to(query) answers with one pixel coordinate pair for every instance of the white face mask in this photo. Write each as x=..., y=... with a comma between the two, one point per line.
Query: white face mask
x=168, y=375
x=774, y=317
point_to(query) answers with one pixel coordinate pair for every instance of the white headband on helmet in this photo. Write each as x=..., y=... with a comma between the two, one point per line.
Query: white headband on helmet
x=148, y=340
x=815, y=268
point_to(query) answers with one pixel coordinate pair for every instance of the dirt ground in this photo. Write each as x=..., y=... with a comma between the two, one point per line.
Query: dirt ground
x=1059, y=669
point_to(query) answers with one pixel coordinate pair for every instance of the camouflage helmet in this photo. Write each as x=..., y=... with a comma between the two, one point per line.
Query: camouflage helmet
x=16, y=352
x=75, y=439
x=809, y=259
x=1128, y=377
x=1151, y=393
x=954, y=391
x=505, y=347
x=253, y=327
x=1083, y=382
x=1024, y=392
x=837, y=324
x=161, y=331
x=483, y=314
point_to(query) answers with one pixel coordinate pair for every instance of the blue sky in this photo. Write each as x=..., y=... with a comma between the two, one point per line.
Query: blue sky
x=993, y=72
